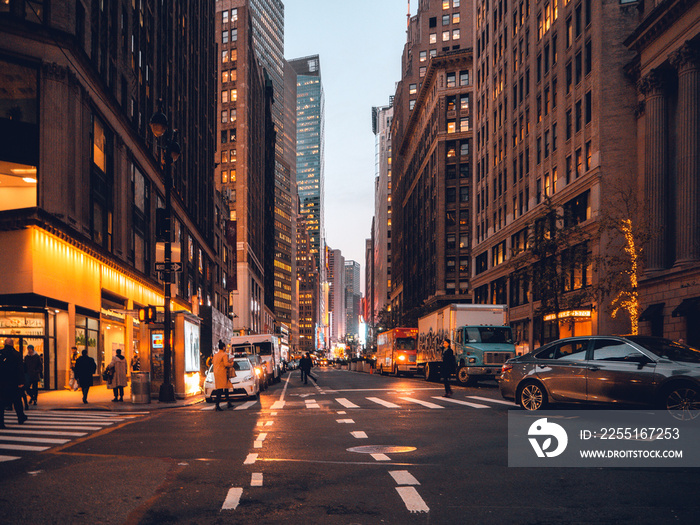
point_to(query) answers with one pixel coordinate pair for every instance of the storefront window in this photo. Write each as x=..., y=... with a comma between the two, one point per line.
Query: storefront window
x=86, y=336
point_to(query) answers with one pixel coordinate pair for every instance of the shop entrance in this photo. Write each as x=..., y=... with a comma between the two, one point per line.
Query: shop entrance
x=29, y=328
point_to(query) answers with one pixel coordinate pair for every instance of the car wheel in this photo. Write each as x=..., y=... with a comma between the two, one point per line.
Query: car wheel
x=682, y=401
x=532, y=396
x=464, y=378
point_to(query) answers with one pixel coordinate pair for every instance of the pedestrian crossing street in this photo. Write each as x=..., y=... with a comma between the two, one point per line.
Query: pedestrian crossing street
x=44, y=430
x=331, y=400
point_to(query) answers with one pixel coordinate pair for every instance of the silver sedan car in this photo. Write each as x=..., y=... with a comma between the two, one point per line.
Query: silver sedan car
x=631, y=370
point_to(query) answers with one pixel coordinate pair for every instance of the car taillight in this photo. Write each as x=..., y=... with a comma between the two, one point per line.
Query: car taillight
x=505, y=368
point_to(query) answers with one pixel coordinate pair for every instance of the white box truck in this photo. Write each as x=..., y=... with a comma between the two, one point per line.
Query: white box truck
x=267, y=346
x=481, y=340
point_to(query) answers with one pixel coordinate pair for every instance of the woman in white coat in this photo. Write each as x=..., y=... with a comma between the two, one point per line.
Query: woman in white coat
x=118, y=381
x=222, y=365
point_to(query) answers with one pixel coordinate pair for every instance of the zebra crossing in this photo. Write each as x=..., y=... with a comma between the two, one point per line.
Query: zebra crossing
x=391, y=402
x=44, y=430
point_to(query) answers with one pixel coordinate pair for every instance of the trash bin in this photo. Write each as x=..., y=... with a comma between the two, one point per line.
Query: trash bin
x=140, y=387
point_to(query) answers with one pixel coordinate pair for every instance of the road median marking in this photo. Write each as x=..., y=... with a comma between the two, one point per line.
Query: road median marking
x=412, y=500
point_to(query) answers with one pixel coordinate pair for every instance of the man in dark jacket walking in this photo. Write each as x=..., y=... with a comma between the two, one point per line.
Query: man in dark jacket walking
x=305, y=364
x=448, y=366
x=11, y=381
x=33, y=370
x=84, y=370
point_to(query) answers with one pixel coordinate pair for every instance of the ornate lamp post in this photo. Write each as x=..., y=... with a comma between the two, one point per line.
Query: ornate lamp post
x=170, y=151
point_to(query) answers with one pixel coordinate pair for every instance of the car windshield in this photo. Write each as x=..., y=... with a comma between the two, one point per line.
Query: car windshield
x=668, y=349
x=405, y=343
x=241, y=364
x=489, y=334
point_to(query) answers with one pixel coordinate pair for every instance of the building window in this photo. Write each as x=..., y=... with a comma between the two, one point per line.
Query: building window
x=224, y=176
x=445, y=20
x=589, y=154
x=464, y=124
x=445, y=36
x=224, y=55
x=224, y=96
x=224, y=37
x=451, y=126
x=423, y=56
x=451, y=79
x=224, y=77
x=412, y=89
x=421, y=71
x=433, y=38
x=588, y=108
x=464, y=81
x=455, y=34
x=464, y=194
x=411, y=104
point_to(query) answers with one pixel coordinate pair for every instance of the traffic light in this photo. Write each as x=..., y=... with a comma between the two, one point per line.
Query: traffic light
x=162, y=225
x=147, y=315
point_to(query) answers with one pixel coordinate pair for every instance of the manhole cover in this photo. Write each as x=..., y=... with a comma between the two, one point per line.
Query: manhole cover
x=381, y=449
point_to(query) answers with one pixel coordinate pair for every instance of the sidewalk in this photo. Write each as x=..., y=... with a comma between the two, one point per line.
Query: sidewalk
x=100, y=398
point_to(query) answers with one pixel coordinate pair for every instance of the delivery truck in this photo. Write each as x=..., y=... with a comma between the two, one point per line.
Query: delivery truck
x=480, y=336
x=266, y=346
x=396, y=351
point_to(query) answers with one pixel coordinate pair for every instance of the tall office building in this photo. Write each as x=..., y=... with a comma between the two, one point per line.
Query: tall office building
x=245, y=172
x=381, y=226
x=81, y=177
x=431, y=162
x=308, y=291
x=555, y=129
x=336, y=296
x=666, y=68
x=310, y=138
x=266, y=18
x=353, y=296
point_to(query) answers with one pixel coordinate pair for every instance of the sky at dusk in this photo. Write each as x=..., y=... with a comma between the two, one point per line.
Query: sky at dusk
x=359, y=43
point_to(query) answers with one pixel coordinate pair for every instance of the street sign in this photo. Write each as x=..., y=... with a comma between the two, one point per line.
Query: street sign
x=169, y=267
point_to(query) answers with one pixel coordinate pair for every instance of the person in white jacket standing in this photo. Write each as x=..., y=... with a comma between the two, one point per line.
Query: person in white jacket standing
x=118, y=381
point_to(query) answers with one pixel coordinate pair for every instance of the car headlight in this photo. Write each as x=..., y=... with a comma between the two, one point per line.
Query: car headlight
x=258, y=372
x=249, y=377
x=402, y=357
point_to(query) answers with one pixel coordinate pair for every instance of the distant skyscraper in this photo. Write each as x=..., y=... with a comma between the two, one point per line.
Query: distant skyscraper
x=336, y=303
x=353, y=297
x=381, y=258
x=310, y=137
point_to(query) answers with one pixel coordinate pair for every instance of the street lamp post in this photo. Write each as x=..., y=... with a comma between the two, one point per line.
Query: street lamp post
x=170, y=151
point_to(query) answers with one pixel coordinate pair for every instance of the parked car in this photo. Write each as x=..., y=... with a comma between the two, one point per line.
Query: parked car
x=631, y=370
x=245, y=384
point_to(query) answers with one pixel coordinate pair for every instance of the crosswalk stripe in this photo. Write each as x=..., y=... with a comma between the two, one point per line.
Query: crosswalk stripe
x=387, y=404
x=52, y=427
x=403, y=477
x=246, y=405
x=42, y=432
x=29, y=448
x=459, y=402
x=499, y=401
x=8, y=458
x=346, y=403
x=421, y=402
x=49, y=421
x=233, y=498
x=33, y=440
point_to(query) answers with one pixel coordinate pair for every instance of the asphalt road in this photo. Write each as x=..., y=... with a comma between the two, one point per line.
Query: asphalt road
x=355, y=449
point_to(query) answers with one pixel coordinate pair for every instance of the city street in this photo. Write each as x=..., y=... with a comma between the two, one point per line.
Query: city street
x=356, y=448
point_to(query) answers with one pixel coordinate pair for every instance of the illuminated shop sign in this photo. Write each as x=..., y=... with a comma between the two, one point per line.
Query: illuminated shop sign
x=568, y=314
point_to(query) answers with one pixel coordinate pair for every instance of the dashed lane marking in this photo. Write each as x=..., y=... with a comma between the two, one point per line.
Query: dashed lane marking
x=278, y=405
x=345, y=421
x=233, y=498
x=403, y=477
x=459, y=402
x=380, y=457
x=256, y=479
x=412, y=500
x=250, y=459
x=359, y=435
x=379, y=401
x=421, y=402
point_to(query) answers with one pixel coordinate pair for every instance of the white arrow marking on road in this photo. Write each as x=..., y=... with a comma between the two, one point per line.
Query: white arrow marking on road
x=500, y=401
x=403, y=477
x=256, y=480
x=346, y=403
x=420, y=402
x=387, y=404
x=380, y=457
x=233, y=498
x=359, y=435
x=473, y=405
x=412, y=500
x=250, y=459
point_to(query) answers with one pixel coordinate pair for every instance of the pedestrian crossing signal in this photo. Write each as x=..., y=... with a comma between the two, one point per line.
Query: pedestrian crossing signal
x=147, y=315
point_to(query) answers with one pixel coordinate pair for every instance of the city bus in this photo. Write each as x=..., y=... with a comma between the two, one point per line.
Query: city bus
x=396, y=351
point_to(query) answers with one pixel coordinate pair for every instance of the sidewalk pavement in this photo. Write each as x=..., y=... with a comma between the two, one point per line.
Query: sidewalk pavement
x=100, y=398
